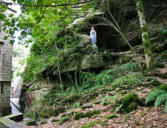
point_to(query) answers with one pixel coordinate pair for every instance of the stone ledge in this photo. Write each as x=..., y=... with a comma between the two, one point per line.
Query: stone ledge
x=9, y=121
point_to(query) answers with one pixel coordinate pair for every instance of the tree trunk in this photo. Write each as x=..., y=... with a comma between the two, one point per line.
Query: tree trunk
x=145, y=37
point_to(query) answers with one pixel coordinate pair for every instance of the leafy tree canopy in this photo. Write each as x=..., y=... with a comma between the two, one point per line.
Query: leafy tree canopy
x=41, y=19
x=40, y=22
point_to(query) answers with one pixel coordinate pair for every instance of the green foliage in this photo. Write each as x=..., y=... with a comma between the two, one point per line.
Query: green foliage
x=64, y=118
x=160, y=100
x=47, y=28
x=129, y=98
x=128, y=81
x=153, y=95
x=159, y=96
x=93, y=123
x=76, y=105
x=106, y=100
x=46, y=57
x=104, y=78
x=110, y=99
x=123, y=69
x=143, y=114
x=165, y=107
x=41, y=110
x=159, y=65
x=88, y=81
x=163, y=33
x=129, y=102
x=161, y=87
x=56, y=102
x=163, y=55
x=31, y=123
x=110, y=116
x=90, y=124
x=89, y=114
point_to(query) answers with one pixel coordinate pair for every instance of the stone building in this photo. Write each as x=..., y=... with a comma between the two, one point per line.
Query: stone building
x=5, y=71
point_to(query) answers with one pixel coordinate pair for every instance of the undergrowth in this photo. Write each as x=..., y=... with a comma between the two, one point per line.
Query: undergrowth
x=128, y=81
x=88, y=87
x=158, y=96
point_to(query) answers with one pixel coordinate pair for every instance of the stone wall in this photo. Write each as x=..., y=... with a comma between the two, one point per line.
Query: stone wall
x=5, y=71
x=5, y=75
x=5, y=59
x=5, y=98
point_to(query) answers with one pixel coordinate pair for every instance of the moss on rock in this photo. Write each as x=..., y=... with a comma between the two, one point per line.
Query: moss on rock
x=89, y=114
x=64, y=118
x=161, y=87
x=129, y=102
x=93, y=123
x=132, y=106
x=110, y=116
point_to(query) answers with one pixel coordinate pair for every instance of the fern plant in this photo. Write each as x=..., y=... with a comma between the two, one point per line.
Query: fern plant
x=123, y=69
x=110, y=99
x=128, y=81
x=103, y=78
x=159, y=96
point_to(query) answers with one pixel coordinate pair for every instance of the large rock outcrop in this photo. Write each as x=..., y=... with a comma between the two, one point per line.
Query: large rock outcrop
x=83, y=57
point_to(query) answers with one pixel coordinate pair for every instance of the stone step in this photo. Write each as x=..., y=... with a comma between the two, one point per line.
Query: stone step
x=9, y=121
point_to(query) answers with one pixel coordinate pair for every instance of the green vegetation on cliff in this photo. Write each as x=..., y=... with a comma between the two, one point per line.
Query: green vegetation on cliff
x=67, y=79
